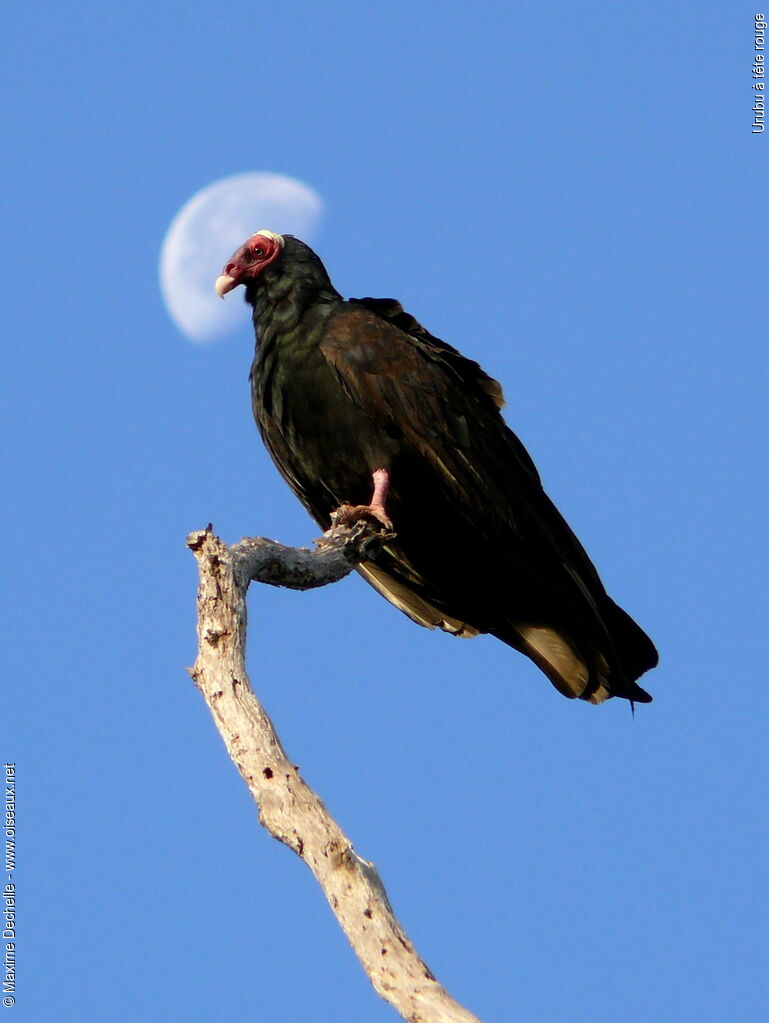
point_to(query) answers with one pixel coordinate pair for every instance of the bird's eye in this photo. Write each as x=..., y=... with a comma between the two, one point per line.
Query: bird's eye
x=258, y=251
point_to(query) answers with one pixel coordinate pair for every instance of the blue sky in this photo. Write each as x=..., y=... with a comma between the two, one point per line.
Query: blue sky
x=573, y=196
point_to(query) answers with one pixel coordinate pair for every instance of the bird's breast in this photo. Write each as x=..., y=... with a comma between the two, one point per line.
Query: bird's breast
x=317, y=435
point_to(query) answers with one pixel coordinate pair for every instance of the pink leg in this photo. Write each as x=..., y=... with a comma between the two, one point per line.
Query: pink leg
x=381, y=486
x=350, y=513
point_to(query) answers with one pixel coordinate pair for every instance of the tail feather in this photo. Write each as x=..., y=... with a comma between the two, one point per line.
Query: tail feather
x=554, y=654
x=636, y=650
x=576, y=670
x=584, y=671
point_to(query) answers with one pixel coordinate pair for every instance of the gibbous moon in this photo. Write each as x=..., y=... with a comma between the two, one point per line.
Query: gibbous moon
x=207, y=230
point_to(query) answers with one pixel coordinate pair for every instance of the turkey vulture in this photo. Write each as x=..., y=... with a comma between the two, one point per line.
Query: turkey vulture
x=362, y=408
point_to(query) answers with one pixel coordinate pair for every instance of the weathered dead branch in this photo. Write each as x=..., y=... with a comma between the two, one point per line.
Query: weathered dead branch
x=288, y=808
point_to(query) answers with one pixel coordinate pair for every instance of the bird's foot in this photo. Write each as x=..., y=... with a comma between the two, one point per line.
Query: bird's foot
x=349, y=514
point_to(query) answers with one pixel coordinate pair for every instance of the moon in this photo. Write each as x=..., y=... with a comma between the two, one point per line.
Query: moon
x=207, y=230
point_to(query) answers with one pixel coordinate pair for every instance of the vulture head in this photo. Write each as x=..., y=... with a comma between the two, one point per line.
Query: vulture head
x=250, y=260
x=280, y=265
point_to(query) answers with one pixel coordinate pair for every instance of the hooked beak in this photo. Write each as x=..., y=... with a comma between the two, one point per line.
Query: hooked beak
x=224, y=284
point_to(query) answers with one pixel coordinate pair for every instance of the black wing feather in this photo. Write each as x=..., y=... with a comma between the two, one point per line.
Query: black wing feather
x=445, y=410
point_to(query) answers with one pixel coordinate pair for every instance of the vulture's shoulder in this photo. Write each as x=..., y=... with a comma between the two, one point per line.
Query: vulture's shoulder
x=378, y=336
x=422, y=389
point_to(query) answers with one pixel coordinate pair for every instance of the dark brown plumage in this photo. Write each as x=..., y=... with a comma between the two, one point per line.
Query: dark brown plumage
x=346, y=390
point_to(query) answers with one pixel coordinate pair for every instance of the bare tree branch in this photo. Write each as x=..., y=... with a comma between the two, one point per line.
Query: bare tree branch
x=288, y=808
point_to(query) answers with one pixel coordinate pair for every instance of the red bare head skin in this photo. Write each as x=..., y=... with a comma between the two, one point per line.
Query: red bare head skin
x=251, y=259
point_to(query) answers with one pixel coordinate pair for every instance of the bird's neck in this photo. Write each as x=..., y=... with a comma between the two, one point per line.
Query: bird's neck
x=280, y=303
